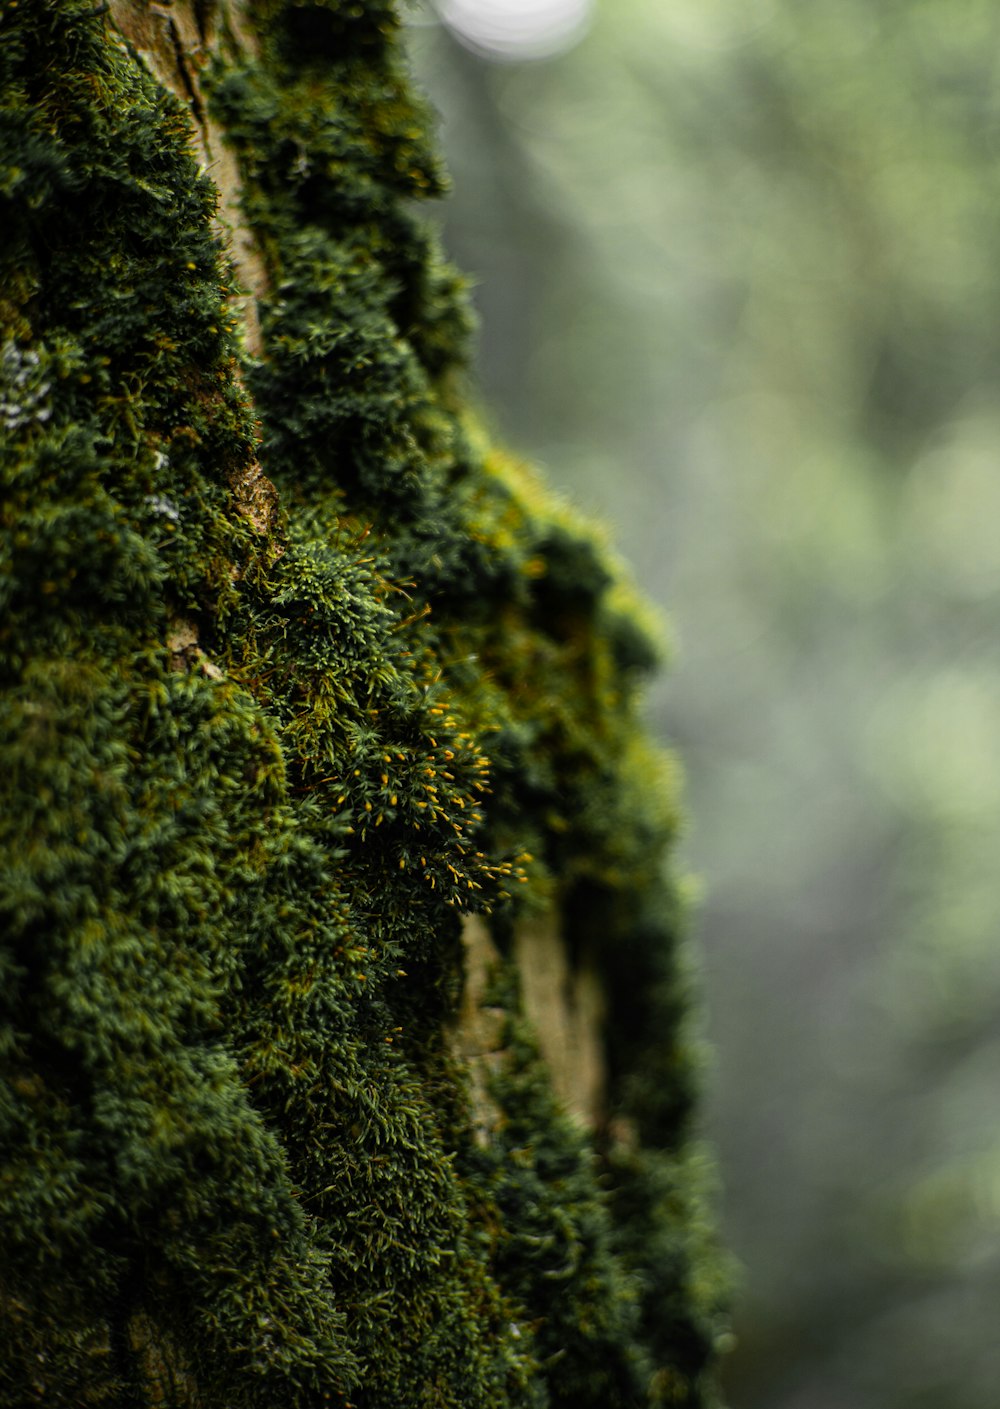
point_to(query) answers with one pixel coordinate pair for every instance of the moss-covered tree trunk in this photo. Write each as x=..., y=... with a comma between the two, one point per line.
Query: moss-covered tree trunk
x=342, y=1020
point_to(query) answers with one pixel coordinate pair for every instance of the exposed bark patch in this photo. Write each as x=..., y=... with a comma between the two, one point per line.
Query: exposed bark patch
x=182, y=643
x=477, y=1039
x=564, y=1005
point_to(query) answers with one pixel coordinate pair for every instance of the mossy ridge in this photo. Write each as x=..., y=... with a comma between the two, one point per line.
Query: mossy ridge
x=141, y=1188
x=128, y=431
x=542, y=650
x=359, y=418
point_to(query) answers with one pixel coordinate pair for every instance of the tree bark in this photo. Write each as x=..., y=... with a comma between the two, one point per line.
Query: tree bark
x=345, y=1041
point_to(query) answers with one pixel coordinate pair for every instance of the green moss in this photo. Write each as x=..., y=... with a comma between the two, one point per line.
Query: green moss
x=253, y=776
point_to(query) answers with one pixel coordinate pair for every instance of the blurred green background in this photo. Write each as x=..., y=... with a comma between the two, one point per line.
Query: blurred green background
x=739, y=274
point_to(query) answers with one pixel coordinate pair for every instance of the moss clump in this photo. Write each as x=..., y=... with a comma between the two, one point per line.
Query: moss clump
x=257, y=766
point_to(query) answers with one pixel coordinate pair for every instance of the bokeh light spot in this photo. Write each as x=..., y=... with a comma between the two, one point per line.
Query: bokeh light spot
x=517, y=29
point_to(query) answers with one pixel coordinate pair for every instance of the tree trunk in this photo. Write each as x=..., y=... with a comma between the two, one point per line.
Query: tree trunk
x=344, y=1026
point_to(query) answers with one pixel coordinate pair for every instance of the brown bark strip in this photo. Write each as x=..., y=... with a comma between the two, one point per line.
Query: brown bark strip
x=175, y=40
x=564, y=1005
x=477, y=1039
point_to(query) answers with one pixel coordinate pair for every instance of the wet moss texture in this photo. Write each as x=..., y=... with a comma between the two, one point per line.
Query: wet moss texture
x=261, y=752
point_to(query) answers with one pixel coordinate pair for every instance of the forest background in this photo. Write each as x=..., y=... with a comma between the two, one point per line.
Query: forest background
x=739, y=275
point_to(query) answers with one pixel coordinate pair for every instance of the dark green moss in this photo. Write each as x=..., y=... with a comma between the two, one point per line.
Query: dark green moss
x=253, y=775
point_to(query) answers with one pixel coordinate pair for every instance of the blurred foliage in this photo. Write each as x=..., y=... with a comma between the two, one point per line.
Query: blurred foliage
x=740, y=287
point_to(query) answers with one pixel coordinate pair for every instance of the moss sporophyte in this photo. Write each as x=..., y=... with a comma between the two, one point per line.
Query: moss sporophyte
x=296, y=672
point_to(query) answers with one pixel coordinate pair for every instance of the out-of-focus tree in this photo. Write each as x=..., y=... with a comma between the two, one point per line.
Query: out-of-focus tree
x=740, y=272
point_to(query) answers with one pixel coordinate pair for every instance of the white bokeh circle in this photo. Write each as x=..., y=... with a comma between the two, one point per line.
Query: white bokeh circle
x=516, y=29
